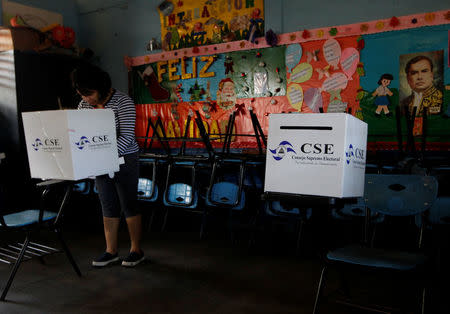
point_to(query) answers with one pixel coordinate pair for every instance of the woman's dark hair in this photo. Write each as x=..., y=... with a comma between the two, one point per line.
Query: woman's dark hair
x=386, y=76
x=87, y=79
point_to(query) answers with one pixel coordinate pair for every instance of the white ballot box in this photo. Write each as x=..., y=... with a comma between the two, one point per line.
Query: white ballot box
x=316, y=154
x=71, y=144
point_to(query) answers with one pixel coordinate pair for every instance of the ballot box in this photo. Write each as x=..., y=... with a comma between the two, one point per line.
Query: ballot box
x=71, y=144
x=316, y=154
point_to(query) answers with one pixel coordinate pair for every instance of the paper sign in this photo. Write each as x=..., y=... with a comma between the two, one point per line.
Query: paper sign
x=313, y=99
x=335, y=82
x=349, y=61
x=295, y=96
x=301, y=73
x=293, y=55
x=332, y=52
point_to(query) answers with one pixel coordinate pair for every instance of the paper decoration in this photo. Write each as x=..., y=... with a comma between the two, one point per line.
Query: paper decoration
x=313, y=99
x=301, y=73
x=335, y=82
x=293, y=55
x=198, y=23
x=332, y=52
x=349, y=61
x=406, y=22
x=295, y=96
x=260, y=83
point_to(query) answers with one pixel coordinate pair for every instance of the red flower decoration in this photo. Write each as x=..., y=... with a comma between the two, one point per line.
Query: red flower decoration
x=306, y=34
x=394, y=22
x=195, y=50
x=360, y=44
x=447, y=15
x=58, y=34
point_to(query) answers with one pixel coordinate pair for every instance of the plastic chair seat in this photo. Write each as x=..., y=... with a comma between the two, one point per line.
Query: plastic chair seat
x=377, y=258
x=277, y=209
x=181, y=194
x=26, y=218
x=146, y=191
x=226, y=193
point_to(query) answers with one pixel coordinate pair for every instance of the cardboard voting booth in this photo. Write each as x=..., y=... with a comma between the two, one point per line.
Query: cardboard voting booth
x=316, y=154
x=71, y=144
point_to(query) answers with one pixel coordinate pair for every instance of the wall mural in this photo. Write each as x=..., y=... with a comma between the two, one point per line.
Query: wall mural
x=191, y=23
x=366, y=69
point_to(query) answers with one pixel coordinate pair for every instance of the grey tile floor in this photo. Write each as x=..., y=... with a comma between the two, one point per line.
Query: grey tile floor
x=181, y=275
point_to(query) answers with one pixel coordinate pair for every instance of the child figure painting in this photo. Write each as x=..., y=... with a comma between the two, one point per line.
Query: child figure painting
x=381, y=93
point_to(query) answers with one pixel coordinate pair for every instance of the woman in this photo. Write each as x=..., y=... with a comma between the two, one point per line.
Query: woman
x=117, y=194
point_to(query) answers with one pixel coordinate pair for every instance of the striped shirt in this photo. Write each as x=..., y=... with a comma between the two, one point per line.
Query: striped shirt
x=125, y=117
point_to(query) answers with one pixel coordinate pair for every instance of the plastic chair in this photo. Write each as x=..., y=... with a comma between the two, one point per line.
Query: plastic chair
x=226, y=190
x=148, y=190
x=180, y=189
x=390, y=195
x=288, y=213
x=354, y=212
x=31, y=221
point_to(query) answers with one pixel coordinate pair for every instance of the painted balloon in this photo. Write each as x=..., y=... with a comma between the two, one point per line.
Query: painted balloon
x=335, y=82
x=313, y=99
x=301, y=73
x=293, y=55
x=349, y=61
x=332, y=52
x=295, y=96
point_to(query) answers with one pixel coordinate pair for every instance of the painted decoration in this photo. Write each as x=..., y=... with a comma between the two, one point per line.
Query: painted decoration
x=337, y=70
x=196, y=23
x=349, y=61
x=293, y=55
x=332, y=52
x=295, y=96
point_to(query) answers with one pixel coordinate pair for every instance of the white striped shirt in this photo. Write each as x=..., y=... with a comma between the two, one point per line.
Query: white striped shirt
x=125, y=117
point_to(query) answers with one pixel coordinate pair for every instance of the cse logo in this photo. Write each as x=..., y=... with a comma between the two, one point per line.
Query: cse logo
x=353, y=153
x=84, y=141
x=46, y=143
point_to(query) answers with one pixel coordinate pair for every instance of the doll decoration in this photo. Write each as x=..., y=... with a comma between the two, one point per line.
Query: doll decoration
x=381, y=93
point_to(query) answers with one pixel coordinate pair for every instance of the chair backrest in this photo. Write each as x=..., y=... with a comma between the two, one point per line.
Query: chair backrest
x=400, y=195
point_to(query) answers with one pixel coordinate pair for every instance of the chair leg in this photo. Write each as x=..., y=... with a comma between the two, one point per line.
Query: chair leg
x=150, y=221
x=299, y=236
x=68, y=254
x=15, y=268
x=422, y=310
x=320, y=289
x=165, y=220
x=203, y=224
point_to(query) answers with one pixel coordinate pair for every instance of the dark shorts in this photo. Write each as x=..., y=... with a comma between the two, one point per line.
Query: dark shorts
x=119, y=194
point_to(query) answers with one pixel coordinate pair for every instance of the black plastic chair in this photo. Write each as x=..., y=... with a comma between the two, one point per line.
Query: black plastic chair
x=390, y=195
x=31, y=221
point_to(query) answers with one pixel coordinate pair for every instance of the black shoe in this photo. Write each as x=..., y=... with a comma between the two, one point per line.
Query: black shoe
x=105, y=259
x=388, y=114
x=133, y=259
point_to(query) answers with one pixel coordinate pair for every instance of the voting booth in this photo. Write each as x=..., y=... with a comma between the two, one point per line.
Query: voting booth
x=71, y=144
x=316, y=154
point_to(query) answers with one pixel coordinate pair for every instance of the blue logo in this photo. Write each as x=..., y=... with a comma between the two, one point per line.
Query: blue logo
x=37, y=143
x=82, y=142
x=282, y=149
x=349, y=153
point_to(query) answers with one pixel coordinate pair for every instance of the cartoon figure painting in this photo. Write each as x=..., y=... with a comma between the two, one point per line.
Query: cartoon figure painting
x=381, y=93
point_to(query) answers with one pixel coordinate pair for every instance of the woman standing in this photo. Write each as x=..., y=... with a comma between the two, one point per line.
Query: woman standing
x=117, y=194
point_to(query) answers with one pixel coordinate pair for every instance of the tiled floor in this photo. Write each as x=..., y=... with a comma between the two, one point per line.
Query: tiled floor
x=182, y=275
